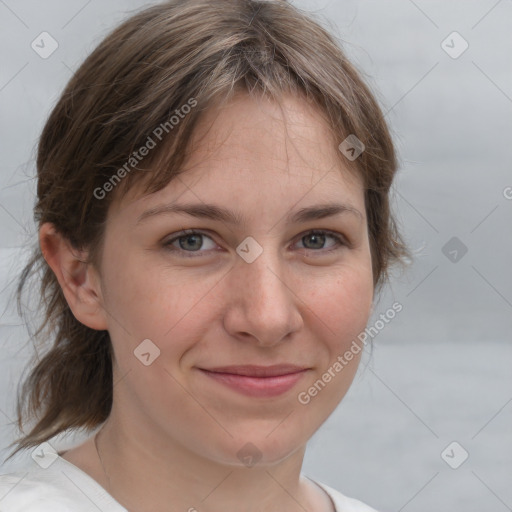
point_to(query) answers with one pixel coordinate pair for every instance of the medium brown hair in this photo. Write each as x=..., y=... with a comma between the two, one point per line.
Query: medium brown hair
x=177, y=53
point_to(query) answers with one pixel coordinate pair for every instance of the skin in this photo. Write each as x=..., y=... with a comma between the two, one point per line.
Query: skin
x=174, y=433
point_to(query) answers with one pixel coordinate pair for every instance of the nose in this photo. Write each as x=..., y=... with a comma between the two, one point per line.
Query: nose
x=262, y=303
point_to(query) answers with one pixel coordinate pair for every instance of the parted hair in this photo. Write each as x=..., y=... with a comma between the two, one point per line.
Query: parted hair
x=176, y=53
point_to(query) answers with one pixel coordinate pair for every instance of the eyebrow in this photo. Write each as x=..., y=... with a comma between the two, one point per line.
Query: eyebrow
x=217, y=213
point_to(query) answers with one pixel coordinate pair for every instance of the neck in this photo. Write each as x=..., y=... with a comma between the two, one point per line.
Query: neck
x=157, y=476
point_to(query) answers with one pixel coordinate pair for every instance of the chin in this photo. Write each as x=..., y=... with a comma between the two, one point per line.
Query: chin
x=261, y=447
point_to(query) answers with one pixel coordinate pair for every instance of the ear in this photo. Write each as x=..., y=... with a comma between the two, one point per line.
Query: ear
x=79, y=280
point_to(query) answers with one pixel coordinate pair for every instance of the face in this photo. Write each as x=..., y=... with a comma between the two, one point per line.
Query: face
x=249, y=277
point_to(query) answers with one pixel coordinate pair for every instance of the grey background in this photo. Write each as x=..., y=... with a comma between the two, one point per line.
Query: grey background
x=440, y=371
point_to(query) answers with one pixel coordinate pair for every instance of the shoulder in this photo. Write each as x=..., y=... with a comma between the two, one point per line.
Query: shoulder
x=33, y=491
x=58, y=488
x=344, y=503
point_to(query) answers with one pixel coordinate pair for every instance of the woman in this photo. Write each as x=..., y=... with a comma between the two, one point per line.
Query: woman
x=214, y=224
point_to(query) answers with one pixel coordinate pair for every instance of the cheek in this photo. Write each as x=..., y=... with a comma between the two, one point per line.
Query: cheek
x=144, y=303
x=342, y=302
x=340, y=308
x=159, y=305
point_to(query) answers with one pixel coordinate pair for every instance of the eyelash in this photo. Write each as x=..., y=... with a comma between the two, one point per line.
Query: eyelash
x=340, y=242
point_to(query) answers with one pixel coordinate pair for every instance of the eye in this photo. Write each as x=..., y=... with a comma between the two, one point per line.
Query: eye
x=189, y=241
x=315, y=241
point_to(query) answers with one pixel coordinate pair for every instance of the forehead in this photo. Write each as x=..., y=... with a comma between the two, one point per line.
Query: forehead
x=291, y=134
x=251, y=149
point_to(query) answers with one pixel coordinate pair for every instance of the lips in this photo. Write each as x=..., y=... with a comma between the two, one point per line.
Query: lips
x=258, y=371
x=257, y=381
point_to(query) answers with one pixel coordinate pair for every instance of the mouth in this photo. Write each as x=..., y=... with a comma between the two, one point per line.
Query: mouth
x=257, y=381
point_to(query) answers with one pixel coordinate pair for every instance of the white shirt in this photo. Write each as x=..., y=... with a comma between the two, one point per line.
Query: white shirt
x=62, y=487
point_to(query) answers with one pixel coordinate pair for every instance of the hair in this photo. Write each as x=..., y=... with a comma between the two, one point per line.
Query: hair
x=180, y=52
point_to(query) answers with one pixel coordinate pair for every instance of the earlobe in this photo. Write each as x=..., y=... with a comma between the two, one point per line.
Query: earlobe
x=78, y=279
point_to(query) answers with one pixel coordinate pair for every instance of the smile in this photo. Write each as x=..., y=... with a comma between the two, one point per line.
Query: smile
x=257, y=381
